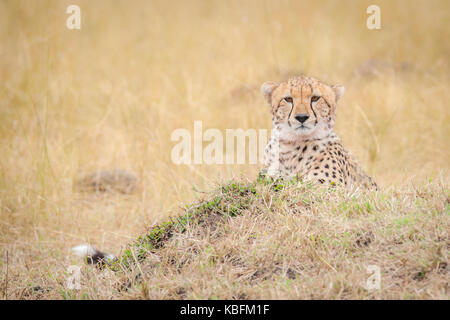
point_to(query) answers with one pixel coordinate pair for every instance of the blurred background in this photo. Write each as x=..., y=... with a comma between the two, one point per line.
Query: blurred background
x=109, y=95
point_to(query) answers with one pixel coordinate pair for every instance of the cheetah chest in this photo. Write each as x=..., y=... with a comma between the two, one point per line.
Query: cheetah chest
x=325, y=161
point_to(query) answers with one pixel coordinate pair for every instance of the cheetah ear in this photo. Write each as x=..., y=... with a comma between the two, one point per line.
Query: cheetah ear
x=338, y=91
x=267, y=89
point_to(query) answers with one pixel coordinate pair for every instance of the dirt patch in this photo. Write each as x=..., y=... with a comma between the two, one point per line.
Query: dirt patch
x=115, y=180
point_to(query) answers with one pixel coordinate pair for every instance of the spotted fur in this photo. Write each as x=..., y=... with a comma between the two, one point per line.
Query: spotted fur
x=308, y=149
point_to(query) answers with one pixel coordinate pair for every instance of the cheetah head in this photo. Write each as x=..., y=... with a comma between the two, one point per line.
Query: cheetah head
x=302, y=107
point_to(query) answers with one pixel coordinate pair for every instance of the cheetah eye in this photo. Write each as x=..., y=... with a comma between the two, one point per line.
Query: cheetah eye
x=288, y=99
x=315, y=98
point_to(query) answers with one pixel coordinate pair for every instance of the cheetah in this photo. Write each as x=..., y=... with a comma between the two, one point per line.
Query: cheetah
x=303, y=143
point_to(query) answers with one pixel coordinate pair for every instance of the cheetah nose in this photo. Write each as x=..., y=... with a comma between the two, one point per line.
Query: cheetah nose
x=301, y=117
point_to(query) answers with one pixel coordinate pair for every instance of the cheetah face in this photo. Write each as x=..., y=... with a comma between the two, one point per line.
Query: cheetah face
x=302, y=107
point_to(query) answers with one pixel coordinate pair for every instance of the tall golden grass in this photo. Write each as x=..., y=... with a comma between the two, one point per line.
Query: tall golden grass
x=110, y=95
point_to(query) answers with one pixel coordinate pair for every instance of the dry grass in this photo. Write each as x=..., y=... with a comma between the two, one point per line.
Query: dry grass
x=109, y=95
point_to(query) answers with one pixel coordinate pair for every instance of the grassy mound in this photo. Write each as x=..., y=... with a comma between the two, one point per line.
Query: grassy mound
x=252, y=240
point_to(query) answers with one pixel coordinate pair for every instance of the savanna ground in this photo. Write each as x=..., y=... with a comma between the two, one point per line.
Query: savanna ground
x=109, y=96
